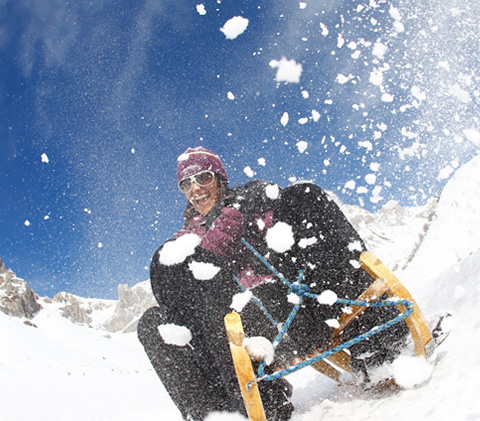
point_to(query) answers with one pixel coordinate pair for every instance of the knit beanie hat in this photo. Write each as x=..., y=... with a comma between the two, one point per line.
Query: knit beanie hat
x=195, y=160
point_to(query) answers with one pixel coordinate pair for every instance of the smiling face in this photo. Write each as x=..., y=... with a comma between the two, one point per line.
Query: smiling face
x=204, y=199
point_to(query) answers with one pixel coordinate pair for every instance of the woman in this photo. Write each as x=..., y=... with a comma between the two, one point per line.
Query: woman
x=200, y=376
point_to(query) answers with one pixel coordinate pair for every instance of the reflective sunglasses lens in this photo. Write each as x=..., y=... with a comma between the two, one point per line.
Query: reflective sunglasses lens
x=204, y=179
x=185, y=184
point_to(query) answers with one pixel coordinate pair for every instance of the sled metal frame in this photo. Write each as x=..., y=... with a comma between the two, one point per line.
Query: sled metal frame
x=385, y=282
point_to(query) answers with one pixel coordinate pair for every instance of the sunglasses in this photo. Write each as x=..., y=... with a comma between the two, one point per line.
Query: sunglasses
x=202, y=179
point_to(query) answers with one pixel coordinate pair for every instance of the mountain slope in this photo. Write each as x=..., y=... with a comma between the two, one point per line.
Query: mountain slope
x=76, y=372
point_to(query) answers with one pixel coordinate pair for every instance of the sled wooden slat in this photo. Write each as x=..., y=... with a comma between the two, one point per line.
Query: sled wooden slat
x=422, y=336
x=244, y=368
x=327, y=369
x=374, y=292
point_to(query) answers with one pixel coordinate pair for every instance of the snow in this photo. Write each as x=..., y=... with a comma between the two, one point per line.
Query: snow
x=411, y=371
x=333, y=323
x=249, y=172
x=289, y=71
x=201, y=9
x=66, y=371
x=203, y=271
x=272, y=191
x=234, y=27
x=284, y=119
x=177, y=250
x=175, y=335
x=473, y=135
x=259, y=348
x=302, y=146
x=280, y=237
x=240, y=300
x=327, y=297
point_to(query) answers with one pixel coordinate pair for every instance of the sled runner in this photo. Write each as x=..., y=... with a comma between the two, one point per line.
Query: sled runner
x=333, y=361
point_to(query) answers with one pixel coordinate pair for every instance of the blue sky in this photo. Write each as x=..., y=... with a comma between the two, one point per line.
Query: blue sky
x=110, y=93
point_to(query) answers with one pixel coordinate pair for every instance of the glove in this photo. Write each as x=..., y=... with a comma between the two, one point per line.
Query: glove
x=225, y=233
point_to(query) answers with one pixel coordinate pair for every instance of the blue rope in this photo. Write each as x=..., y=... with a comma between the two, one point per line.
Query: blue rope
x=303, y=290
x=258, y=303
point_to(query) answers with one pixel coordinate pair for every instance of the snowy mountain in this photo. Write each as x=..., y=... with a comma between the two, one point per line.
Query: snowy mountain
x=75, y=358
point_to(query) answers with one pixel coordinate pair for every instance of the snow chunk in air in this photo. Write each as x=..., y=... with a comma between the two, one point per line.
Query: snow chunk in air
x=305, y=242
x=176, y=251
x=302, y=146
x=284, y=119
x=272, y=191
x=201, y=9
x=249, y=172
x=327, y=297
x=411, y=371
x=234, y=27
x=259, y=348
x=45, y=158
x=280, y=237
x=175, y=335
x=203, y=271
x=379, y=50
x=289, y=71
x=293, y=298
x=240, y=300
x=333, y=323
x=473, y=135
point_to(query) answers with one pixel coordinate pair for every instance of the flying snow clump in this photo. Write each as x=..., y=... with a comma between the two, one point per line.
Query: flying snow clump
x=418, y=93
x=45, y=158
x=175, y=335
x=259, y=348
x=284, y=119
x=379, y=50
x=203, y=271
x=473, y=135
x=201, y=9
x=272, y=191
x=327, y=297
x=302, y=146
x=240, y=300
x=280, y=237
x=333, y=323
x=176, y=251
x=411, y=371
x=249, y=172
x=459, y=93
x=289, y=71
x=306, y=242
x=234, y=27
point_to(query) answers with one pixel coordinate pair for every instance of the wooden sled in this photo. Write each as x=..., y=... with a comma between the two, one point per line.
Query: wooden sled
x=384, y=282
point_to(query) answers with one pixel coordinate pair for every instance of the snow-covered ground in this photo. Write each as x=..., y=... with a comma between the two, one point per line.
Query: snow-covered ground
x=57, y=370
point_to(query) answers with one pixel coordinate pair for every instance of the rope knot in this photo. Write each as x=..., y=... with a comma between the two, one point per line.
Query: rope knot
x=300, y=289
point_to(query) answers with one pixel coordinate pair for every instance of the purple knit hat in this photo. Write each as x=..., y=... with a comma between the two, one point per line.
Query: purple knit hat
x=195, y=160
